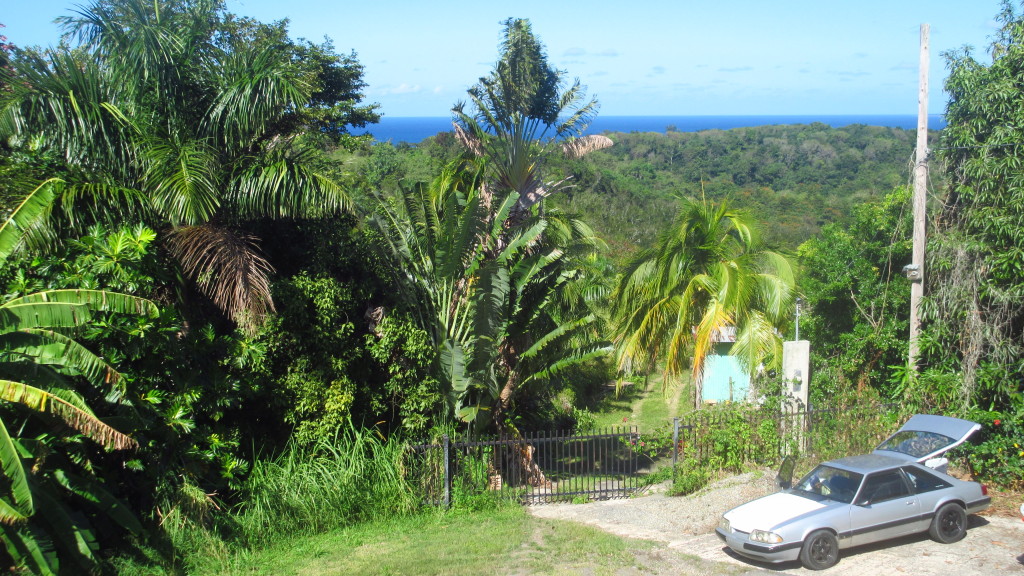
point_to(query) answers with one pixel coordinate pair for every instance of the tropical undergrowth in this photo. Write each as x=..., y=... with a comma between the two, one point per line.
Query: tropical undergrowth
x=733, y=438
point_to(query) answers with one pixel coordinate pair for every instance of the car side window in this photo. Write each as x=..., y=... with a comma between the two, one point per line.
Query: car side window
x=883, y=486
x=923, y=481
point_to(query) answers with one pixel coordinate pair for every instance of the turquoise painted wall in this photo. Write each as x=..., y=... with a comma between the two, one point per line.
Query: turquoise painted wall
x=724, y=379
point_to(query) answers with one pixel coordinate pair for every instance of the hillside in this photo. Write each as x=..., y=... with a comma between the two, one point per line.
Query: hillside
x=795, y=178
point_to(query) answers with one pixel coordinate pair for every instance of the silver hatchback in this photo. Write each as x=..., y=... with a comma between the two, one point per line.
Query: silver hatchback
x=862, y=499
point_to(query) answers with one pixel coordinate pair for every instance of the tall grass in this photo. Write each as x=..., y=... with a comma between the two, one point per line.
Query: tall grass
x=354, y=477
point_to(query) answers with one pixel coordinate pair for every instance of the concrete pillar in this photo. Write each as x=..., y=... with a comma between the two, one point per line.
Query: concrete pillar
x=796, y=367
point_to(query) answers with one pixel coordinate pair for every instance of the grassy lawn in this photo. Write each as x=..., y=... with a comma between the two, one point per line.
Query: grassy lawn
x=646, y=404
x=504, y=541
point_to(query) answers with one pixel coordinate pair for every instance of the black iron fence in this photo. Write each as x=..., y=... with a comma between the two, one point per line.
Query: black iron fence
x=612, y=463
x=537, y=468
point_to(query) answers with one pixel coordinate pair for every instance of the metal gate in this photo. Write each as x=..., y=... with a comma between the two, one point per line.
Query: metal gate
x=536, y=469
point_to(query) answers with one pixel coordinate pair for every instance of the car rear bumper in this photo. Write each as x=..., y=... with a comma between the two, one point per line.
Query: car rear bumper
x=978, y=505
x=740, y=543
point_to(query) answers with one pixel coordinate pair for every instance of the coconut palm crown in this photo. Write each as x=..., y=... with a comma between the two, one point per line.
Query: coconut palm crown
x=707, y=273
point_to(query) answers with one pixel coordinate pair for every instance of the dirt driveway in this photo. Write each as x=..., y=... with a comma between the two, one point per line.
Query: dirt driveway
x=993, y=545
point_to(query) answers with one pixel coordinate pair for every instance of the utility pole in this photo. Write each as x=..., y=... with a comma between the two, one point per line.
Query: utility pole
x=915, y=271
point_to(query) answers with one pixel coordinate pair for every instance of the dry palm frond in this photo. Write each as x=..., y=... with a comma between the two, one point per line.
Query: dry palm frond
x=228, y=269
x=578, y=147
x=532, y=192
x=471, y=142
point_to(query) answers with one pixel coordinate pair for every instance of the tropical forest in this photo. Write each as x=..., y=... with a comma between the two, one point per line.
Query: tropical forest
x=231, y=322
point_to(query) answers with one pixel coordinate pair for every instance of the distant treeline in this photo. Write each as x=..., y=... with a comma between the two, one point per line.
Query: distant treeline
x=793, y=178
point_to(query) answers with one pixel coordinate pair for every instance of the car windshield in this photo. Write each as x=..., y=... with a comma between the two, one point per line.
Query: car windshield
x=916, y=443
x=833, y=483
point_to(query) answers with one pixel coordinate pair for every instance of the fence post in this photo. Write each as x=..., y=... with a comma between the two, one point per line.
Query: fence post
x=447, y=473
x=675, y=442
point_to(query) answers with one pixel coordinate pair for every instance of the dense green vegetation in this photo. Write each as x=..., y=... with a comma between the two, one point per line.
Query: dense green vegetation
x=798, y=177
x=224, y=317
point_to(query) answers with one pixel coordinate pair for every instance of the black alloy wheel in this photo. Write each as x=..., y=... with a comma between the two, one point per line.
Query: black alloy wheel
x=820, y=550
x=949, y=524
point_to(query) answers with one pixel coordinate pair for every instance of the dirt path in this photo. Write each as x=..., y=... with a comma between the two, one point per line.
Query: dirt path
x=993, y=545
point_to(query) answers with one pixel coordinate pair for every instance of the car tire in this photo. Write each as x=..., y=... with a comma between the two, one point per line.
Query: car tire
x=820, y=550
x=949, y=523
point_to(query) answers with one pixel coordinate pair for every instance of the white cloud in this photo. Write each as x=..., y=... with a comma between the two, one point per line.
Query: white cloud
x=403, y=88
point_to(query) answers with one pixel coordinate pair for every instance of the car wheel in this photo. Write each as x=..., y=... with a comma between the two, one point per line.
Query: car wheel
x=820, y=550
x=949, y=524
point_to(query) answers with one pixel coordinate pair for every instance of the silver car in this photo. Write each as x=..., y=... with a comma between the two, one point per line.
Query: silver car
x=862, y=499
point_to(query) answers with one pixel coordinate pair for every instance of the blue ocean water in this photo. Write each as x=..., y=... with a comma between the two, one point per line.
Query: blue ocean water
x=415, y=129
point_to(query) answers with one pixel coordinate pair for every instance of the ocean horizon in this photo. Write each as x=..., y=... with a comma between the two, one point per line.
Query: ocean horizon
x=396, y=129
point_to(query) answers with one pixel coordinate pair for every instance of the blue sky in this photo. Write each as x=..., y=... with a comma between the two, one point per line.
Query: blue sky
x=682, y=57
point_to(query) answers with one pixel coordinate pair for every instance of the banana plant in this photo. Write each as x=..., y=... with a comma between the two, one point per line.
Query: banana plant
x=48, y=490
x=492, y=298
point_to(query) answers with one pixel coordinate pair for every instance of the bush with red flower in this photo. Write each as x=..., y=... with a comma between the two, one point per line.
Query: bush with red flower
x=997, y=456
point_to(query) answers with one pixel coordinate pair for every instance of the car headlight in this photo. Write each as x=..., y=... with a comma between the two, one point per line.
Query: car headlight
x=723, y=524
x=765, y=536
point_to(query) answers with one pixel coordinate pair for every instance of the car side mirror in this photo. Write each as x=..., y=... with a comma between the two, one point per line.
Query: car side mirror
x=862, y=501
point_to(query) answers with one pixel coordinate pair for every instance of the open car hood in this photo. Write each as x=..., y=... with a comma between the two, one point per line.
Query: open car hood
x=926, y=436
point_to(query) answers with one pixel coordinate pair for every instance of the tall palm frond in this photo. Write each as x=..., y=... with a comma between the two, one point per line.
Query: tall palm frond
x=285, y=187
x=182, y=179
x=65, y=100
x=255, y=84
x=707, y=273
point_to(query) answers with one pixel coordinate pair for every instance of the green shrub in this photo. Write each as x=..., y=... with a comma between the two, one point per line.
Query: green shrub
x=690, y=476
x=999, y=456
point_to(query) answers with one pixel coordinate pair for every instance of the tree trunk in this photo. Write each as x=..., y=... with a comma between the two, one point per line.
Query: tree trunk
x=521, y=463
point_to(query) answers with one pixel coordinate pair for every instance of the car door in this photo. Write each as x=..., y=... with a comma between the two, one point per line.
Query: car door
x=930, y=490
x=885, y=507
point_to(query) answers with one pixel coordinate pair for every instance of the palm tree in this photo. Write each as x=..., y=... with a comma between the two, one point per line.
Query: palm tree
x=521, y=113
x=707, y=273
x=158, y=116
x=50, y=492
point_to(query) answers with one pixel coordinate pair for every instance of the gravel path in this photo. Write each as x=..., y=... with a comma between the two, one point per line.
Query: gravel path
x=993, y=545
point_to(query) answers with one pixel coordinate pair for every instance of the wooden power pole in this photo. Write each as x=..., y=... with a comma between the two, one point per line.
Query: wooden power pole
x=915, y=271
